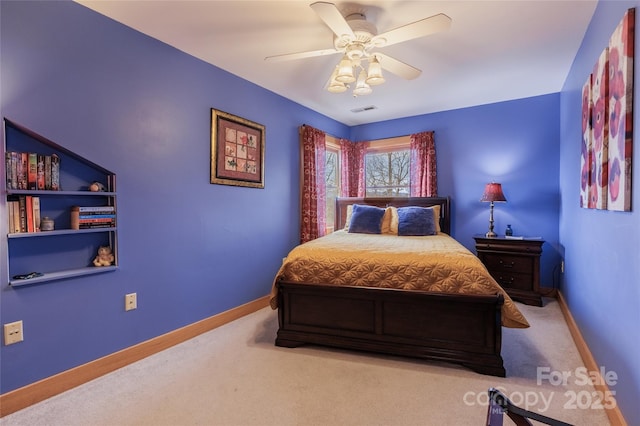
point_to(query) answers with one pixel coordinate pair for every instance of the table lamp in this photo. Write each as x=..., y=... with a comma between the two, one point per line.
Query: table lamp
x=492, y=193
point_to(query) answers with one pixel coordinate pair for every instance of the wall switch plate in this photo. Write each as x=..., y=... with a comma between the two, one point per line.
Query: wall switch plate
x=130, y=301
x=13, y=333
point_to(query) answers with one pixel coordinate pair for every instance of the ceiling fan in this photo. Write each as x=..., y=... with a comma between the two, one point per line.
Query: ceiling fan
x=356, y=38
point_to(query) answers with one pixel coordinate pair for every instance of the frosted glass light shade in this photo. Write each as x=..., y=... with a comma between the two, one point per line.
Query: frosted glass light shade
x=375, y=73
x=362, y=88
x=334, y=85
x=345, y=71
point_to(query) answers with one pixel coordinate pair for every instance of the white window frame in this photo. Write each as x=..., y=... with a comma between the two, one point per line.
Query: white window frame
x=332, y=145
x=381, y=146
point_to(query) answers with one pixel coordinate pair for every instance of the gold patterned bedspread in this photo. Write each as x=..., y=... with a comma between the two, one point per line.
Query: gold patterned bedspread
x=436, y=263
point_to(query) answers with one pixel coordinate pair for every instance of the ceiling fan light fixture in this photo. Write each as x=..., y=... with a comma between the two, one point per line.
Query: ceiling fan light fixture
x=334, y=85
x=337, y=87
x=355, y=37
x=362, y=88
x=345, y=71
x=374, y=73
x=355, y=51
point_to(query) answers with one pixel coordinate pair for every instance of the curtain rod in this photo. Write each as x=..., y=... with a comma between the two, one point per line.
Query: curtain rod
x=373, y=140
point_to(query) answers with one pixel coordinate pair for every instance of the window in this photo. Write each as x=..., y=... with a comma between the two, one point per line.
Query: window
x=401, y=166
x=387, y=168
x=332, y=180
x=387, y=171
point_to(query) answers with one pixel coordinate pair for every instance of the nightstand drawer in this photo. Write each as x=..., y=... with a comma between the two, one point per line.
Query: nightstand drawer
x=509, y=280
x=499, y=263
x=514, y=264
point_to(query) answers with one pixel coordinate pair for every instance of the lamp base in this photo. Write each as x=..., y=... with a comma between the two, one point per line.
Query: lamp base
x=490, y=234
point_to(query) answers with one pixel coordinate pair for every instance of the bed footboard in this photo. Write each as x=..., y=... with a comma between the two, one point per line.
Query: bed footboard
x=464, y=329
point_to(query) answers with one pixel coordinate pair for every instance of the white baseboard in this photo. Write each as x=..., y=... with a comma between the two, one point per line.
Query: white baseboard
x=614, y=414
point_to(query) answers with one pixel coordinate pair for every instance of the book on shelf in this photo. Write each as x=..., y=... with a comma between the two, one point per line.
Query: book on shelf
x=35, y=203
x=87, y=217
x=95, y=216
x=40, y=172
x=24, y=213
x=22, y=169
x=29, y=211
x=13, y=210
x=10, y=169
x=10, y=216
x=55, y=173
x=16, y=217
x=94, y=209
x=47, y=172
x=98, y=220
x=32, y=171
x=97, y=225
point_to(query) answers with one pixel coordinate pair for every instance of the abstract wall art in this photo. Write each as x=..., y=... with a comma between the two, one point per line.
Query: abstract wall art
x=607, y=124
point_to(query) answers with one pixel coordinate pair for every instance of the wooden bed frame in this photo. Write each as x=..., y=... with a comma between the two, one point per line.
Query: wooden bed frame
x=464, y=329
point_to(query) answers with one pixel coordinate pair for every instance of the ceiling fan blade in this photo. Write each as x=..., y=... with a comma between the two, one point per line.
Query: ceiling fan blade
x=397, y=67
x=332, y=17
x=434, y=24
x=300, y=55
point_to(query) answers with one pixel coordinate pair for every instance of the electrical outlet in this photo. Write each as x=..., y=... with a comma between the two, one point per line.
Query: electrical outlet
x=130, y=301
x=13, y=333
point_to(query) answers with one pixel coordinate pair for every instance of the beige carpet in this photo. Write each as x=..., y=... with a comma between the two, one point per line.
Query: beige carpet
x=234, y=375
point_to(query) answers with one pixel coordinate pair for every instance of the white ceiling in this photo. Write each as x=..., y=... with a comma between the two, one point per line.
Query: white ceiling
x=494, y=51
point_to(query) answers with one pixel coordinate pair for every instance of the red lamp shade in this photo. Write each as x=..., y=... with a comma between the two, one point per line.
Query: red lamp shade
x=493, y=192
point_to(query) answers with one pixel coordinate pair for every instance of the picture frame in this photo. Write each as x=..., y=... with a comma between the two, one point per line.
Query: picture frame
x=237, y=150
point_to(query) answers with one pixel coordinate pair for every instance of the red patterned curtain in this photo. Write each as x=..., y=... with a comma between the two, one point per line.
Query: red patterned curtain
x=352, y=168
x=423, y=165
x=313, y=193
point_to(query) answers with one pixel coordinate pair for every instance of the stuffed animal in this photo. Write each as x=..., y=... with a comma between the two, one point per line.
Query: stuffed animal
x=97, y=187
x=104, y=257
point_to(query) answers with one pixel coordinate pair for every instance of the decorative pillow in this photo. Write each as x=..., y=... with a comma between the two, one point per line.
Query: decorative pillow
x=393, y=220
x=436, y=216
x=366, y=219
x=386, y=222
x=416, y=221
x=348, y=217
x=389, y=220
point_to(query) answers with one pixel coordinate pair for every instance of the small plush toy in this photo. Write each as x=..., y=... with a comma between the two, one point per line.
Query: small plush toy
x=104, y=257
x=97, y=187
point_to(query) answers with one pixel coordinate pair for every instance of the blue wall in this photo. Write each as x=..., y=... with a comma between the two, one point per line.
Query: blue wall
x=142, y=109
x=190, y=249
x=602, y=248
x=514, y=143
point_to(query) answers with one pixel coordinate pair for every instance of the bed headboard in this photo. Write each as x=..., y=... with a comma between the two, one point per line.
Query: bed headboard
x=443, y=202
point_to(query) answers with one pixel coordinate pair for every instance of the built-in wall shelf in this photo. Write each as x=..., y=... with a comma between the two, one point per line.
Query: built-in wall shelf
x=45, y=193
x=68, y=273
x=46, y=234
x=69, y=249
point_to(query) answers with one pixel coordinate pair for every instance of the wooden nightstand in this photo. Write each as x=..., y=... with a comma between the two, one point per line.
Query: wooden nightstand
x=514, y=264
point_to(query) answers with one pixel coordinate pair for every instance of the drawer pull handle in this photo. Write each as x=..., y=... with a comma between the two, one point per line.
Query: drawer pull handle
x=507, y=265
x=502, y=280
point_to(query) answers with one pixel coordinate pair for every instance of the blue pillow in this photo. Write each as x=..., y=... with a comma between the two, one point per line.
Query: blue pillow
x=366, y=219
x=416, y=221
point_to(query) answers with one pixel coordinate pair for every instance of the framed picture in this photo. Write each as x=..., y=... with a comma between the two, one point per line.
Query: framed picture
x=237, y=150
